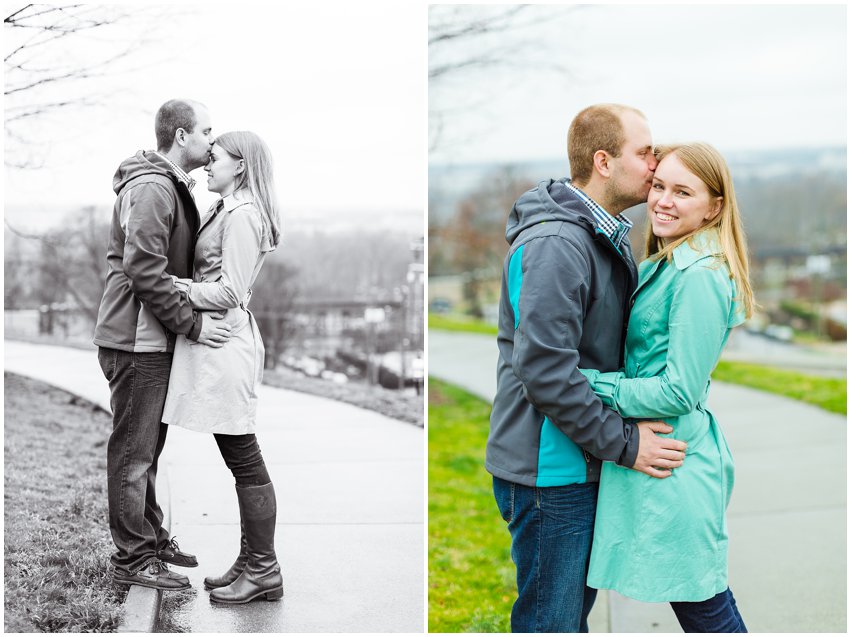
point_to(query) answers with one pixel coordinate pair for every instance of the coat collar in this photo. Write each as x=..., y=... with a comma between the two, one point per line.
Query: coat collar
x=706, y=245
x=228, y=204
x=703, y=245
x=243, y=197
x=237, y=199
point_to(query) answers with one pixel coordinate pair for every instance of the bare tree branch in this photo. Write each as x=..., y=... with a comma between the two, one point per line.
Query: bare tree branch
x=483, y=42
x=464, y=29
x=41, y=109
x=26, y=235
x=57, y=57
x=77, y=74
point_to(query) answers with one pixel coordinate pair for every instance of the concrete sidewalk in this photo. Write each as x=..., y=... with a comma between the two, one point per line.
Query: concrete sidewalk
x=350, y=528
x=787, y=518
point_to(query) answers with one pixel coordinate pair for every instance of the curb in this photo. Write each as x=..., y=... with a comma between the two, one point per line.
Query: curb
x=141, y=610
x=143, y=605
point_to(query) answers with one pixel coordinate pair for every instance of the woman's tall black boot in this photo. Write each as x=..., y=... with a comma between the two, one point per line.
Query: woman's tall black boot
x=261, y=576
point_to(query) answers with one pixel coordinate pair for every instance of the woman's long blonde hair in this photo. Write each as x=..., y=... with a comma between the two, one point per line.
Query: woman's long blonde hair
x=709, y=166
x=257, y=176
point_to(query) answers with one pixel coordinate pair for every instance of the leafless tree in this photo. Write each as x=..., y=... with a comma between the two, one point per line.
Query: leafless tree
x=273, y=299
x=61, y=271
x=363, y=263
x=57, y=57
x=61, y=60
x=472, y=242
x=71, y=264
x=467, y=41
x=15, y=288
x=457, y=26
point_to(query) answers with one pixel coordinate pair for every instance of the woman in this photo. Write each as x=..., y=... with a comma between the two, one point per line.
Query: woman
x=666, y=540
x=214, y=389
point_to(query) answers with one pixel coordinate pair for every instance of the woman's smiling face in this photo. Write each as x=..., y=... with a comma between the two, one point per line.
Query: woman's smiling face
x=679, y=202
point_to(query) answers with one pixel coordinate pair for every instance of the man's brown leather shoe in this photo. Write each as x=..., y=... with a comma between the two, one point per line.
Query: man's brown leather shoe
x=154, y=574
x=172, y=554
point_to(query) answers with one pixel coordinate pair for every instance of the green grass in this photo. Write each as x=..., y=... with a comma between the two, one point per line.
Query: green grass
x=57, y=541
x=827, y=393
x=460, y=323
x=471, y=576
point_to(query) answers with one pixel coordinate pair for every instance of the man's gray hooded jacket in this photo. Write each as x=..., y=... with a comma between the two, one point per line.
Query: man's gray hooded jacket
x=564, y=305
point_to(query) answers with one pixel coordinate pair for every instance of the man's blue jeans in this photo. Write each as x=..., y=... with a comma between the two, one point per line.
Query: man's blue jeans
x=138, y=383
x=716, y=615
x=551, y=530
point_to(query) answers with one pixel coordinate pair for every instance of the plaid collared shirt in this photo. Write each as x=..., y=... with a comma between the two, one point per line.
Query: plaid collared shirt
x=181, y=174
x=616, y=228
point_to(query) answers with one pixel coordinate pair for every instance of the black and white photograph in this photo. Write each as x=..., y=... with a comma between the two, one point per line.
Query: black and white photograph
x=214, y=317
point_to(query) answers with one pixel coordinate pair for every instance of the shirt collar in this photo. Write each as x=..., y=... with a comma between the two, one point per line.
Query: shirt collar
x=615, y=227
x=181, y=174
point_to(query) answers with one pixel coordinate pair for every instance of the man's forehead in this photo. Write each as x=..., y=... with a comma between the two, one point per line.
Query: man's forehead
x=202, y=115
x=636, y=129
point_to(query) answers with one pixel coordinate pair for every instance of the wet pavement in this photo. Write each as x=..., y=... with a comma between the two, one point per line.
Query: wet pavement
x=350, y=491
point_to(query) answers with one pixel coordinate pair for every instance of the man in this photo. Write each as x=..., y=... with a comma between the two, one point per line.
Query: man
x=152, y=237
x=566, y=286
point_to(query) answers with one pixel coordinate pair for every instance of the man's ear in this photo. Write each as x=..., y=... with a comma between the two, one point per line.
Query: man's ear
x=180, y=137
x=601, y=163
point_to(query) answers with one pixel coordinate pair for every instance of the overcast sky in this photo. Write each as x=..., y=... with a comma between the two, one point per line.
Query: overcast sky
x=338, y=92
x=739, y=77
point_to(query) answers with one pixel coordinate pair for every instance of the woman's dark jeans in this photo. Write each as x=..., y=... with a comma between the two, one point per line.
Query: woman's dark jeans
x=138, y=383
x=242, y=455
x=716, y=615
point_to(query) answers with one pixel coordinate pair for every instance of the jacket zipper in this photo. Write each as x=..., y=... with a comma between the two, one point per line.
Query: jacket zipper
x=628, y=300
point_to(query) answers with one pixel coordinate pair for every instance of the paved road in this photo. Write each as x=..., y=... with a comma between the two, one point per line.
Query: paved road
x=828, y=359
x=787, y=518
x=350, y=531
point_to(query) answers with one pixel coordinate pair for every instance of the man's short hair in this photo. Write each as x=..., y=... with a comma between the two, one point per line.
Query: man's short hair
x=597, y=127
x=172, y=115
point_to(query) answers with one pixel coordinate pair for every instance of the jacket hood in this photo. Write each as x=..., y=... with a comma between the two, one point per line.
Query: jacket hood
x=550, y=200
x=142, y=163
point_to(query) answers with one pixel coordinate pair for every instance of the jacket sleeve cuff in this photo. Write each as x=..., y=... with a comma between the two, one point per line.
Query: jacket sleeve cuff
x=195, y=332
x=605, y=385
x=630, y=450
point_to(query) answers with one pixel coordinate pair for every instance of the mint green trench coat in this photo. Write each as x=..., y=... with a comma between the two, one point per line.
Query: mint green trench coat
x=666, y=540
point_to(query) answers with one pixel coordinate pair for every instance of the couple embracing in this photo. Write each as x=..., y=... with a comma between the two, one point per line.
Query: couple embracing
x=607, y=465
x=178, y=345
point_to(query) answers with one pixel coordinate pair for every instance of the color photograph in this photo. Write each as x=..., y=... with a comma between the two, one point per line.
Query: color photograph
x=637, y=318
